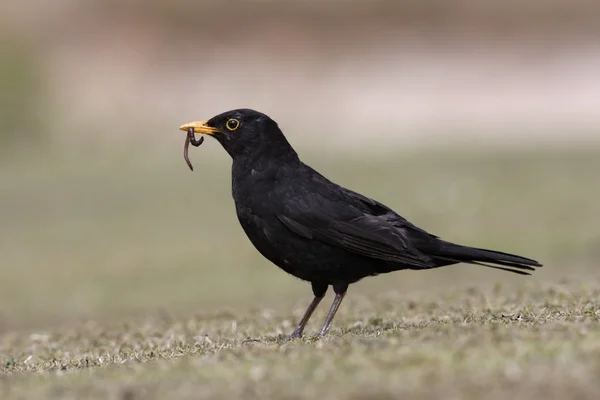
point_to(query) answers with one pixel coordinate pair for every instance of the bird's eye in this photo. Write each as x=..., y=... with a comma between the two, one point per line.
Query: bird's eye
x=232, y=124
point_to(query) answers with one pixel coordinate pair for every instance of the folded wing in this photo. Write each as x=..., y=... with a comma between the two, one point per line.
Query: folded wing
x=366, y=235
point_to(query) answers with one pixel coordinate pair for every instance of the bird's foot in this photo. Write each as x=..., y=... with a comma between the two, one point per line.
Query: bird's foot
x=323, y=332
x=295, y=335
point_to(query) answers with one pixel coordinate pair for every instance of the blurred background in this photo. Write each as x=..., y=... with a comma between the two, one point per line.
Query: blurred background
x=477, y=120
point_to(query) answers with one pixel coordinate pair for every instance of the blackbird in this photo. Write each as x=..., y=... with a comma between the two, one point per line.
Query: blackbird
x=317, y=230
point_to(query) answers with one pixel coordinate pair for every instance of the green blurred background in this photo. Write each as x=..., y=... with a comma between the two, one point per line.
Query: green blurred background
x=476, y=120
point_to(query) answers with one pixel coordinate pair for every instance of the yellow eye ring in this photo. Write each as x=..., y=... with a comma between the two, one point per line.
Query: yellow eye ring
x=232, y=124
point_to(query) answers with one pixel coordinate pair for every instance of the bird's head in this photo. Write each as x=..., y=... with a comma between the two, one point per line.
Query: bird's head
x=245, y=133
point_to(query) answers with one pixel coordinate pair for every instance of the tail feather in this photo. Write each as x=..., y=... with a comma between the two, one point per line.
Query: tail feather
x=450, y=253
x=454, y=261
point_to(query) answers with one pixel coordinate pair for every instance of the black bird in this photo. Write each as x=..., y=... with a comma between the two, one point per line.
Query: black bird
x=318, y=231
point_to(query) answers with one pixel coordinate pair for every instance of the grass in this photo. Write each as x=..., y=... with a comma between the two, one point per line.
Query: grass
x=472, y=343
x=129, y=278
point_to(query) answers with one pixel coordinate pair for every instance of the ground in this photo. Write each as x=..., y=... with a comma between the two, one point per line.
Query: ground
x=123, y=284
x=541, y=341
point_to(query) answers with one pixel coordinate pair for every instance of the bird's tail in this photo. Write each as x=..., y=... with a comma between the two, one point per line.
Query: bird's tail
x=449, y=253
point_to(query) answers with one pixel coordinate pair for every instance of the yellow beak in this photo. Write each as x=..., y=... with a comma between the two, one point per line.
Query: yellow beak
x=199, y=127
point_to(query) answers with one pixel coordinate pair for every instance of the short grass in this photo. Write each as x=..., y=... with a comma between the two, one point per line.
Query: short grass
x=540, y=341
x=128, y=278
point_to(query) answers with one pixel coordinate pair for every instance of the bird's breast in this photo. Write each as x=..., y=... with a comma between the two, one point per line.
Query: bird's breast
x=255, y=186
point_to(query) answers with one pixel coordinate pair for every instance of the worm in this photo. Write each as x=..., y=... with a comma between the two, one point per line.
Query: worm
x=190, y=138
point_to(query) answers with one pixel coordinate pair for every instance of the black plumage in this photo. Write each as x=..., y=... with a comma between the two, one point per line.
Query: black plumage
x=319, y=231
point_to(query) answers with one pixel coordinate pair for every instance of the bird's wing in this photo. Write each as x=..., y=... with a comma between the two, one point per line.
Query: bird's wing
x=372, y=207
x=381, y=209
x=367, y=235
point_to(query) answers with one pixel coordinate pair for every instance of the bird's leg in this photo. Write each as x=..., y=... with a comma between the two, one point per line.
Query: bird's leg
x=319, y=292
x=300, y=328
x=334, y=307
x=340, y=292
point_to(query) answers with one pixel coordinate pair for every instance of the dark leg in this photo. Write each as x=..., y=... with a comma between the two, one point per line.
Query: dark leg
x=300, y=328
x=319, y=292
x=340, y=292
